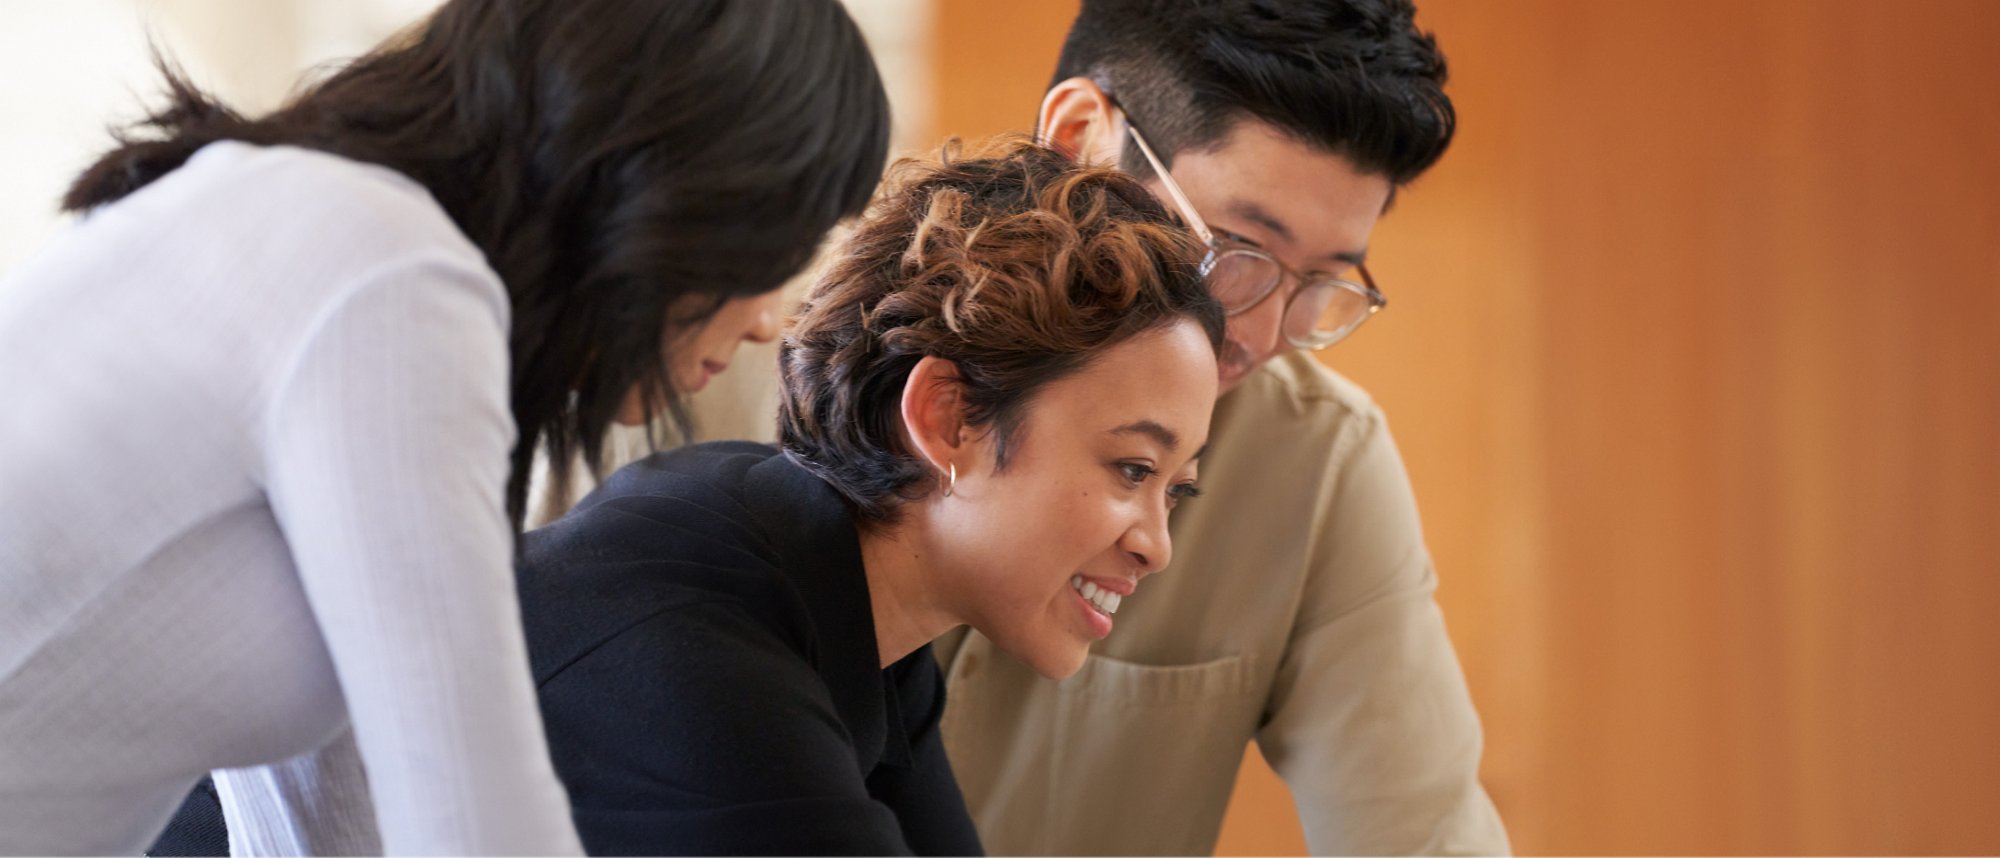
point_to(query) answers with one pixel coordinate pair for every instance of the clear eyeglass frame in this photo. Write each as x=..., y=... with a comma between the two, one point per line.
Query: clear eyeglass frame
x=1322, y=311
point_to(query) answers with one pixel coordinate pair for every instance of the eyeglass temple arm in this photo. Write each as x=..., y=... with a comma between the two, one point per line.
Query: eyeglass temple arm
x=1194, y=220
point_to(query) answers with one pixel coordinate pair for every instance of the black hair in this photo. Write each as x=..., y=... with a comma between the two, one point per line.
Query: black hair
x=1351, y=77
x=626, y=166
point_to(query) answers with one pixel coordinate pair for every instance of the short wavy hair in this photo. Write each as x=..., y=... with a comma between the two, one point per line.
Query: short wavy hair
x=1014, y=263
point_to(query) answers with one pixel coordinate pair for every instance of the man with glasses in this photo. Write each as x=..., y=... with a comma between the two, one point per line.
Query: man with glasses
x=1298, y=610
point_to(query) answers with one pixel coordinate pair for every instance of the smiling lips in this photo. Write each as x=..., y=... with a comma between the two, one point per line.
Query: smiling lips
x=1105, y=601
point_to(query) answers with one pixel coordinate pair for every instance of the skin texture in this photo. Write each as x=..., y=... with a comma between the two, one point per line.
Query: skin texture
x=1077, y=497
x=695, y=359
x=1310, y=208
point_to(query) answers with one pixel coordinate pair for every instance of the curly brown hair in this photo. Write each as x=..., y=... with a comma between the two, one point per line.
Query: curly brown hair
x=1016, y=264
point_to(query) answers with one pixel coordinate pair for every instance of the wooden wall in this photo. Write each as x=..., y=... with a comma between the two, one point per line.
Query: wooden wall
x=1726, y=551
x=1694, y=352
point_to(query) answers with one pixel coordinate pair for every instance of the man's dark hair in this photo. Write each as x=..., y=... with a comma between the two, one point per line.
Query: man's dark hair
x=626, y=166
x=1351, y=77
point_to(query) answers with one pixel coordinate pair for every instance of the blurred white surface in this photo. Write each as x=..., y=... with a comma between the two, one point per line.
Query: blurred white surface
x=71, y=68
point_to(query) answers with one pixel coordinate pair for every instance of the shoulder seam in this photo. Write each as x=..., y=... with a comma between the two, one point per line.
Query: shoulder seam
x=620, y=631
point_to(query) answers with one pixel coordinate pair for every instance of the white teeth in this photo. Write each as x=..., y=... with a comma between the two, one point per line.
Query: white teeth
x=1104, y=600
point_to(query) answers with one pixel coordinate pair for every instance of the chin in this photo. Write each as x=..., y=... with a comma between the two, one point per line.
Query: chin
x=1059, y=665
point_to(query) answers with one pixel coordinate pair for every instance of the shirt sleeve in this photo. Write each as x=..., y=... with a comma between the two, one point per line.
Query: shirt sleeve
x=700, y=731
x=313, y=804
x=1369, y=720
x=386, y=455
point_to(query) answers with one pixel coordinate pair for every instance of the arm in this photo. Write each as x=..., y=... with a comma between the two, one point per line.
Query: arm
x=312, y=804
x=1369, y=720
x=386, y=451
x=698, y=731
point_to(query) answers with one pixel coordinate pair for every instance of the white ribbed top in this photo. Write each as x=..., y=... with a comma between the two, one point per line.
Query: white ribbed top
x=253, y=443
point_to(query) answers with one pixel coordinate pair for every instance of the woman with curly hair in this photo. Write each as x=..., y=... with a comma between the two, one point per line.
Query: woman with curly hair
x=990, y=404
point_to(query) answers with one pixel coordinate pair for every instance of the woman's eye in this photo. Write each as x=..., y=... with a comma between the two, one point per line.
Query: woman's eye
x=1181, y=491
x=1135, y=473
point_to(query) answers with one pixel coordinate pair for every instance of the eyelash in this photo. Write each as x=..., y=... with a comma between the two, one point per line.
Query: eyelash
x=1226, y=235
x=1175, y=493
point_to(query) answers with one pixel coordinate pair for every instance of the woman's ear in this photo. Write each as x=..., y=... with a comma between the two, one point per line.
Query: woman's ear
x=934, y=413
x=1077, y=120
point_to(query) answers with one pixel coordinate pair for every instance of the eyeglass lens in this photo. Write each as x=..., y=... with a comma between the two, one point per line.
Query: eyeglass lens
x=1324, y=311
x=1240, y=279
x=1320, y=311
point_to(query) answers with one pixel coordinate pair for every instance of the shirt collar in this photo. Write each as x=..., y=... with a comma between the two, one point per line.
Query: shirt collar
x=819, y=552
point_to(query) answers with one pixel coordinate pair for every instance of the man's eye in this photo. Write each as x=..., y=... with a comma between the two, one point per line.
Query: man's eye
x=1234, y=238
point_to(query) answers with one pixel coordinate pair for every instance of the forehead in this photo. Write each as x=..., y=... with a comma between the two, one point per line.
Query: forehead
x=1167, y=376
x=1268, y=186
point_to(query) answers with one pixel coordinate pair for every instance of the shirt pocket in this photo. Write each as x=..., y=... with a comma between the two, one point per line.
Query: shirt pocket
x=1110, y=682
x=1164, y=742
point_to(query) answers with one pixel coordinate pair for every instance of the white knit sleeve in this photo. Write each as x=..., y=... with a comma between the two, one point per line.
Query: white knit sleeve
x=386, y=455
x=312, y=804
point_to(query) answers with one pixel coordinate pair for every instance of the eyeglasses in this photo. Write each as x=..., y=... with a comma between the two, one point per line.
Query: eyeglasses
x=1323, y=311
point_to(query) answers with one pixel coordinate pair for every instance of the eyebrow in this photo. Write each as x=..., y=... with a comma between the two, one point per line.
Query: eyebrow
x=1159, y=433
x=1152, y=430
x=1256, y=214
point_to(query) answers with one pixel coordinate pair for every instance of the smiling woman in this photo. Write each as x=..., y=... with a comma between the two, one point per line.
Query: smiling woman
x=991, y=403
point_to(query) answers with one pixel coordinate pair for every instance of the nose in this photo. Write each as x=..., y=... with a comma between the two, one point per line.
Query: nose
x=1258, y=330
x=1148, y=543
x=764, y=325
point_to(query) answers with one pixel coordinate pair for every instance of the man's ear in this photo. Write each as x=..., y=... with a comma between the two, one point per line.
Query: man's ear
x=1077, y=119
x=934, y=414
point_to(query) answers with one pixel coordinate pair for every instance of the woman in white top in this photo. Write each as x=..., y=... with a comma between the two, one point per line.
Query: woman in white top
x=269, y=409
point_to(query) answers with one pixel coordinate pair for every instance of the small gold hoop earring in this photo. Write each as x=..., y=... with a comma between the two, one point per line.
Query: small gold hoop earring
x=952, y=481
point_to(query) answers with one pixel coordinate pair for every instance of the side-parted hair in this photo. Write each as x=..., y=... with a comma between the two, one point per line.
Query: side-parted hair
x=1015, y=264
x=626, y=166
x=1355, y=78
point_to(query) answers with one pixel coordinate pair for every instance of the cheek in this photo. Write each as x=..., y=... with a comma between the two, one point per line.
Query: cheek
x=734, y=324
x=703, y=341
x=1257, y=327
x=693, y=348
x=1061, y=529
x=1093, y=523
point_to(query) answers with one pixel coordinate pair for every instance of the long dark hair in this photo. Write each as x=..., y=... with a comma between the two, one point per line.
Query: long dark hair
x=626, y=166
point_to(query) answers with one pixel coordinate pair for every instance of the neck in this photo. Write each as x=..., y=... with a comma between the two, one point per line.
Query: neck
x=908, y=613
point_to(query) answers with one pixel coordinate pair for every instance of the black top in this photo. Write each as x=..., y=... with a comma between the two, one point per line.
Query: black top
x=705, y=652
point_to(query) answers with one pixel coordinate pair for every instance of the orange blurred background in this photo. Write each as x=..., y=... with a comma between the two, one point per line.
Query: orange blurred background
x=1694, y=354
